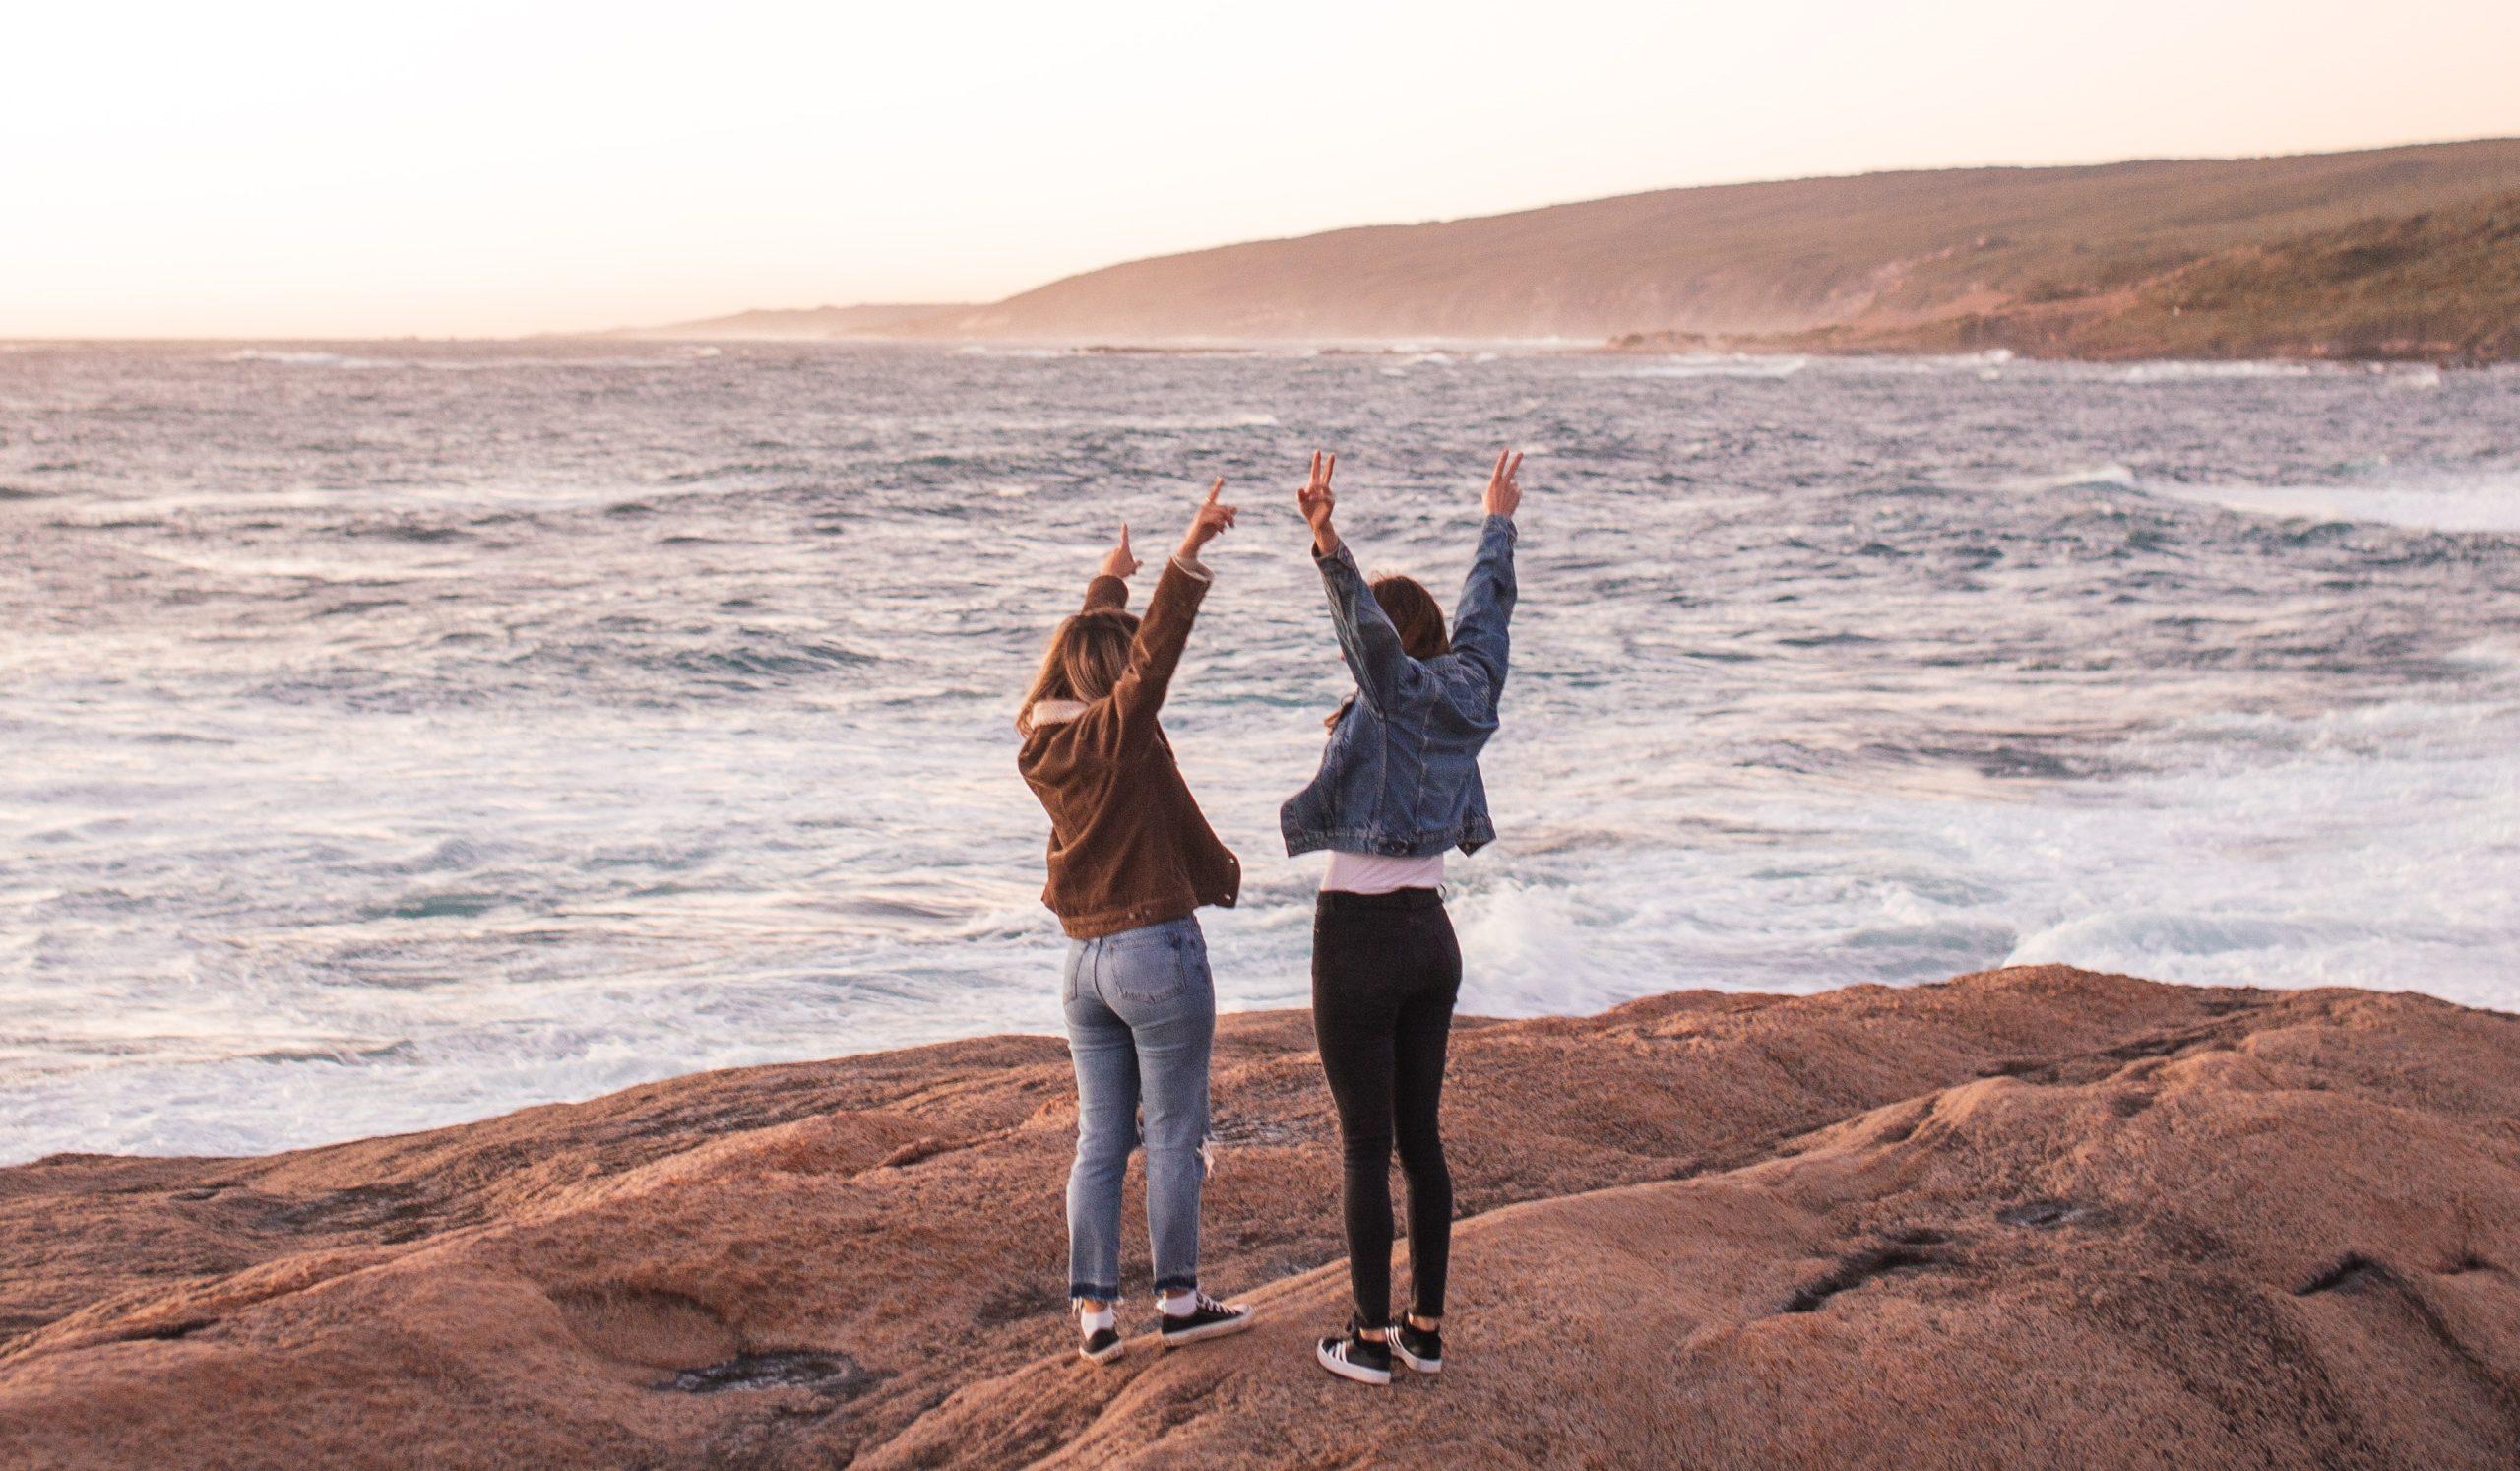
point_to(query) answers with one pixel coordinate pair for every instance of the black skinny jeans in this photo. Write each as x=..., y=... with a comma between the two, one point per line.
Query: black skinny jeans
x=1386, y=970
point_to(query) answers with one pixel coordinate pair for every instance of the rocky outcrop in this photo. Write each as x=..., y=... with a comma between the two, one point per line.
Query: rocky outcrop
x=2035, y=1216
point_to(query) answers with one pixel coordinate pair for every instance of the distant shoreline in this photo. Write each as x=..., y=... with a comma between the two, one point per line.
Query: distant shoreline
x=2303, y=353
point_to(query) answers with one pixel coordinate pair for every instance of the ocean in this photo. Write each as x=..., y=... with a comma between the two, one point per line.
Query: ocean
x=399, y=734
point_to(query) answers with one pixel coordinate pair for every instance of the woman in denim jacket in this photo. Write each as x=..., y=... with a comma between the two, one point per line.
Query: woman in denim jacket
x=1398, y=785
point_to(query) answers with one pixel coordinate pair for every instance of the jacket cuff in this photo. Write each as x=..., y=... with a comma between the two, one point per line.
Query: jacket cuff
x=1193, y=567
x=1106, y=591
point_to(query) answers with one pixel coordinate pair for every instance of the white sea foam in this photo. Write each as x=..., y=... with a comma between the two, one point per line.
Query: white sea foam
x=2177, y=371
x=2372, y=490
x=310, y=358
x=2115, y=474
x=2431, y=500
x=1975, y=365
x=1718, y=365
x=2489, y=504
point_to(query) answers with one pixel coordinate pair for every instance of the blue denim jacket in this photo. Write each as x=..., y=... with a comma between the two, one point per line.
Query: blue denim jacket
x=1400, y=777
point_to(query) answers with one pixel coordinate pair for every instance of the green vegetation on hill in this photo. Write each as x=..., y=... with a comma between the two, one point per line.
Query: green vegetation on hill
x=2441, y=286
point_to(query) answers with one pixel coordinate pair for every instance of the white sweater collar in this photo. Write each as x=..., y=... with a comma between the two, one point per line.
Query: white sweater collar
x=1056, y=712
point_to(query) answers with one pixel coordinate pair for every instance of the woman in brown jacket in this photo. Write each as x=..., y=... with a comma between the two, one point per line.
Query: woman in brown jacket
x=1131, y=860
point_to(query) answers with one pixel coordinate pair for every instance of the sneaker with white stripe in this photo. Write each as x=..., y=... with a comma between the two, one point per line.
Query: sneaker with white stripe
x=1421, y=1349
x=1353, y=1356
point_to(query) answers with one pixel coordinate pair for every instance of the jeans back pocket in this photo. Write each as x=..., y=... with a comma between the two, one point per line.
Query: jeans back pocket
x=1164, y=968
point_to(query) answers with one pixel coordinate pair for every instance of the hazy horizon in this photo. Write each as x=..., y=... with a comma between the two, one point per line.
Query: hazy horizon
x=265, y=173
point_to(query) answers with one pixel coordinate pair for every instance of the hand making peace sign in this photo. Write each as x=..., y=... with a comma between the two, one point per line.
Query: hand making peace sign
x=1503, y=495
x=1316, y=501
x=1209, y=522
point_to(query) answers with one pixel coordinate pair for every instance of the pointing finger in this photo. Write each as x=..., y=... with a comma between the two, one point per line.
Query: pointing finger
x=1215, y=489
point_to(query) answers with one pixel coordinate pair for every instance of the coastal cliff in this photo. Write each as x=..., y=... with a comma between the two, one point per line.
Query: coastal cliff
x=2406, y=252
x=2035, y=1216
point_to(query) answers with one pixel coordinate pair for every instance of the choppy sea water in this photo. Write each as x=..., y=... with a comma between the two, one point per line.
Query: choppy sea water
x=401, y=734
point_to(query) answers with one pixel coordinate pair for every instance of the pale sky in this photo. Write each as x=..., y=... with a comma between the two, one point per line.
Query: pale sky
x=372, y=168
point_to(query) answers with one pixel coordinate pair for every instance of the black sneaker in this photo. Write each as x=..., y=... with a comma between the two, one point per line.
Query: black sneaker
x=1101, y=1346
x=1207, y=1318
x=1421, y=1349
x=1352, y=1356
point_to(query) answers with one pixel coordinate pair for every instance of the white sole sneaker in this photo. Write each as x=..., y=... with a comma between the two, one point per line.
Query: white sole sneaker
x=1423, y=1366
x=1103, y=1355
x=1225, y=1328
x=1361, y=1372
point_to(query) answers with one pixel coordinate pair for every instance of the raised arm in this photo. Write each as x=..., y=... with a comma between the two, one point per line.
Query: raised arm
x=1110, y=584
x=1366, y=639
x=1138, y=696
x=1488, y=595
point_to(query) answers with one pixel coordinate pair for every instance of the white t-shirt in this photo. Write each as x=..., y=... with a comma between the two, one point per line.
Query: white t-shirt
x=1375, y=873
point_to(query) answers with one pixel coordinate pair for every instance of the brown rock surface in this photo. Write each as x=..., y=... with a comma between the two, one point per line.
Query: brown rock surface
x=2035, y=1216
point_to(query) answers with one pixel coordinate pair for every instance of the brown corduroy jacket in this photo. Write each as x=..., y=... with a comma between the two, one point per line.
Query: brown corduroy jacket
x=1128, y=844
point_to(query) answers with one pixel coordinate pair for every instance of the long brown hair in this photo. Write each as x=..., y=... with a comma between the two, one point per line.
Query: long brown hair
x=1416, y=615
x=1085, y=659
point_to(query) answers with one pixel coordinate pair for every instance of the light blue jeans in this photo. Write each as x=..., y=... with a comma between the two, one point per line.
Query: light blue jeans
x=1141, y=1014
